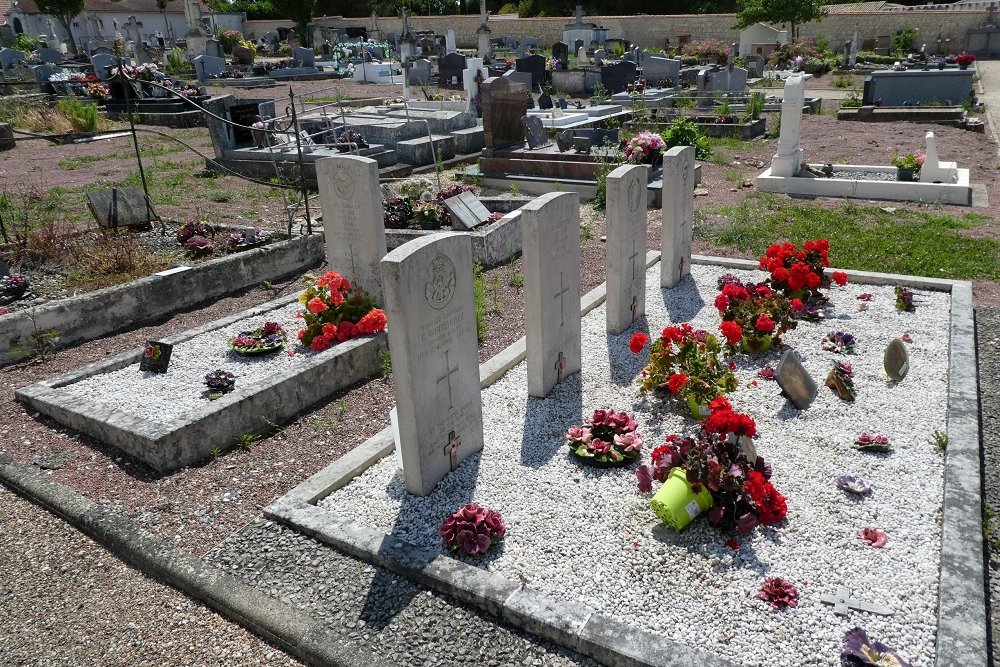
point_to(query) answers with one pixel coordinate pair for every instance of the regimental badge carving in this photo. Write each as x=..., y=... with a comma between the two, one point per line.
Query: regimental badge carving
x=634, y=191
x=343, y=184
x=441, y=287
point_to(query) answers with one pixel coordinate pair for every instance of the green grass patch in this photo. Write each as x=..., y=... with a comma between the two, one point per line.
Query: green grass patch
x=864, y=237
x=71, y=163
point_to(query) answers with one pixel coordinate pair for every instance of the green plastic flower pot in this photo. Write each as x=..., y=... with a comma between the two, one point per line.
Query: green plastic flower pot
x=756, y=344
x=676, y=504
x=698, y=410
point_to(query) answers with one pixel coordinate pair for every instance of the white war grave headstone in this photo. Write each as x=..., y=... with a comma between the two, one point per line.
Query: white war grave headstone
x=429, y=299
x=353, y=222
x=787, y=161
x=626, y=258
x=678, y=215
x=550, y=230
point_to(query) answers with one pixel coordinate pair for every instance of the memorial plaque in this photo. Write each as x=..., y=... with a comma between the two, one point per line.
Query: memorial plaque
x=120, y=207
x=466, y=211
x=537, y=137
x=155, y=356
x=896, y=360
x=795, y=381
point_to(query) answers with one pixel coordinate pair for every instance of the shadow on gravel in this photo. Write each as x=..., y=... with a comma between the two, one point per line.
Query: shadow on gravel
x=547, y=419
x=683, y=302
x=626, y=366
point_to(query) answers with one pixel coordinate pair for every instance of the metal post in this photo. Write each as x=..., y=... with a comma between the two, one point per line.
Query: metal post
x=302, y=171
x=124, y=81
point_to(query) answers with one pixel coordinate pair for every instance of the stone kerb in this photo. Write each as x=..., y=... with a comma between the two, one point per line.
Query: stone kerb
x=353, y=219
x=678, y=215
x=626, y=232
x=550, y=232
x=99, y=313
x=172, y=444
x=429, y=299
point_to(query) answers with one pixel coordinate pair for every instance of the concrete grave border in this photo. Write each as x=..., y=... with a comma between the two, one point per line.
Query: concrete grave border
x=962, y=637
x=191, y=438
x=101, y=312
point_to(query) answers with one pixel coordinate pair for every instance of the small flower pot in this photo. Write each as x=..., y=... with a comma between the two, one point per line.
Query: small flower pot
x=698, y=410
x=963, y=66
x=756, y=344
x=676, y=504
x=904, y=174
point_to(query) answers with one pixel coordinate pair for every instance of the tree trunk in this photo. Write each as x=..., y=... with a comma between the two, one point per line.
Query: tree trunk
x=68, y=26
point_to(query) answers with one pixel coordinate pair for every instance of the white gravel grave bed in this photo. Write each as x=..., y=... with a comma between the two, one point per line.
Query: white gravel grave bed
x=163, y=397
x=588, y=536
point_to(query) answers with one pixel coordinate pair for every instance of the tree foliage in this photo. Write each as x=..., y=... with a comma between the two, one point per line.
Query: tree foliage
x=63, y=11
x=792, y=12
x=300, y=12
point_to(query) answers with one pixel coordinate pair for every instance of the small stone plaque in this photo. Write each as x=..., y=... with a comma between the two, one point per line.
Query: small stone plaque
x=896, y=360
x=564, y=140
x=466, y=211
x=537, y=137
x=795, y=381
x=120, y=207
x=581, y=145
x=155, y=356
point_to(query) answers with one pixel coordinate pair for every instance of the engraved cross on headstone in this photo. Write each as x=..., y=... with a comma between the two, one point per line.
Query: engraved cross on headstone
x=451, y=449
x=635, y=253
x=635, y=307
x=560, y=366
x=559, y=295
x=843, y=602
x=448, y=372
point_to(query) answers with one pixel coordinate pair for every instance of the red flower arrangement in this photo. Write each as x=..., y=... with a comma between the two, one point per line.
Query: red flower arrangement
x=472, y=530
x=686, y=362
x=780, y=593
x=754, y=316
x=798, y=272
x=335, y=312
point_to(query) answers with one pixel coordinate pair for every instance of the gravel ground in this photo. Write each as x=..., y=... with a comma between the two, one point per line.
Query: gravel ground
x=988, y=347
x=64, y=600
x=383, y=613
x=601, y=518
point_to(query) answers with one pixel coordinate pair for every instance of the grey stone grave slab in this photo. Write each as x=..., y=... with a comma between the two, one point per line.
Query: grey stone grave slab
x=564, y=140
x=353, y=222
x=119, y=207
x=531, y=42
x=537, y=136
x=626, y=246
x=420, y=72
x=450, y=68
x=213, y=47
x=843, y=602
x=467, y=212
x=101, y=63
x=535, y=66
x=560, y=50
x=550, y=229
x=10, y=58
x=656, y=69
x=617, y=77
x=581, y=145
x=46, y=55
x=600, y=55
x=896, y=360
x=206, y=66
x=43, y=72
x=435, y=359
x=521, y=79
x=678, y=215
x=503, y=107
x=303, y=57
x=795, y=380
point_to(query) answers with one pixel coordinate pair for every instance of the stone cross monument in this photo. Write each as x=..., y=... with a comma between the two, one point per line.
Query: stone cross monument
x=484, y=34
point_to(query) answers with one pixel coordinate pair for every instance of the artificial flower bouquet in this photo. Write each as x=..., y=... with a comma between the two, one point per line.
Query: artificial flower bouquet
x=644, y=148
x=335, y=312
x=754, y=316
x=269, y=337
x=798, y=272
x=686, y=363
x=472, y=530
x=721, y=473
x=607, y=438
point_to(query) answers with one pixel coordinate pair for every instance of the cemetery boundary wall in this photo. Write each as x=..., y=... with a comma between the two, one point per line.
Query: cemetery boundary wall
x=99, y=313
x=646, y=31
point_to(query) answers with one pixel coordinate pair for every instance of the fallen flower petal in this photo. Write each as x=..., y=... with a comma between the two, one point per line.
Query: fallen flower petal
x=874, y=536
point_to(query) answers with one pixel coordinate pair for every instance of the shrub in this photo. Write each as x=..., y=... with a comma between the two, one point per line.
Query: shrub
x=684, y=132
x=707, y=50
x=228, y=39
x=176, y=63
x=82, y=116
x=26, y=43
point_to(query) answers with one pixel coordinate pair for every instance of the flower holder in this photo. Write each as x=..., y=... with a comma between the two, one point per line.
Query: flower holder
x=698, y=410
x=756, y=344
x=676, y=504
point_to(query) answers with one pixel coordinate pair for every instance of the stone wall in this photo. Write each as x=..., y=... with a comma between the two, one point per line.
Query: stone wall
x=654, y=30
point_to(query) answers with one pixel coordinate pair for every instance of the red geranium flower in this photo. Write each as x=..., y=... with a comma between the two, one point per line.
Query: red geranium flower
x=764, y=324
x=840, y=278
x=732, y=331
x=676, y=381
x=637, y=342
x=316, y=305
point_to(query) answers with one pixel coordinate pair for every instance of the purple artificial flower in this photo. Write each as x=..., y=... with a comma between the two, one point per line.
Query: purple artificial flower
x=853, y=484
x=859, y=651
x=645, y=476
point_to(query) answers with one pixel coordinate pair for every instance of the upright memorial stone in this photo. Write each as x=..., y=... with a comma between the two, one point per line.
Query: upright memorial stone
x=788, y=159
x=353, y=222
x=626, y=222
x=430, y=301
x=503, y=107
x=550, y=230
x=678, y=215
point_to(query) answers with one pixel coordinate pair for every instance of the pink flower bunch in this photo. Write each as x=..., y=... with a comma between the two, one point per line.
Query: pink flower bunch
x=780, y=593
x=644, y=148
x=608, y=437
x=472, y=530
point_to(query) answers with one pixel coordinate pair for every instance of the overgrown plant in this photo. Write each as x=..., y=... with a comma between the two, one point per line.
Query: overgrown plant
x=82, y=116
x=479, y=292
